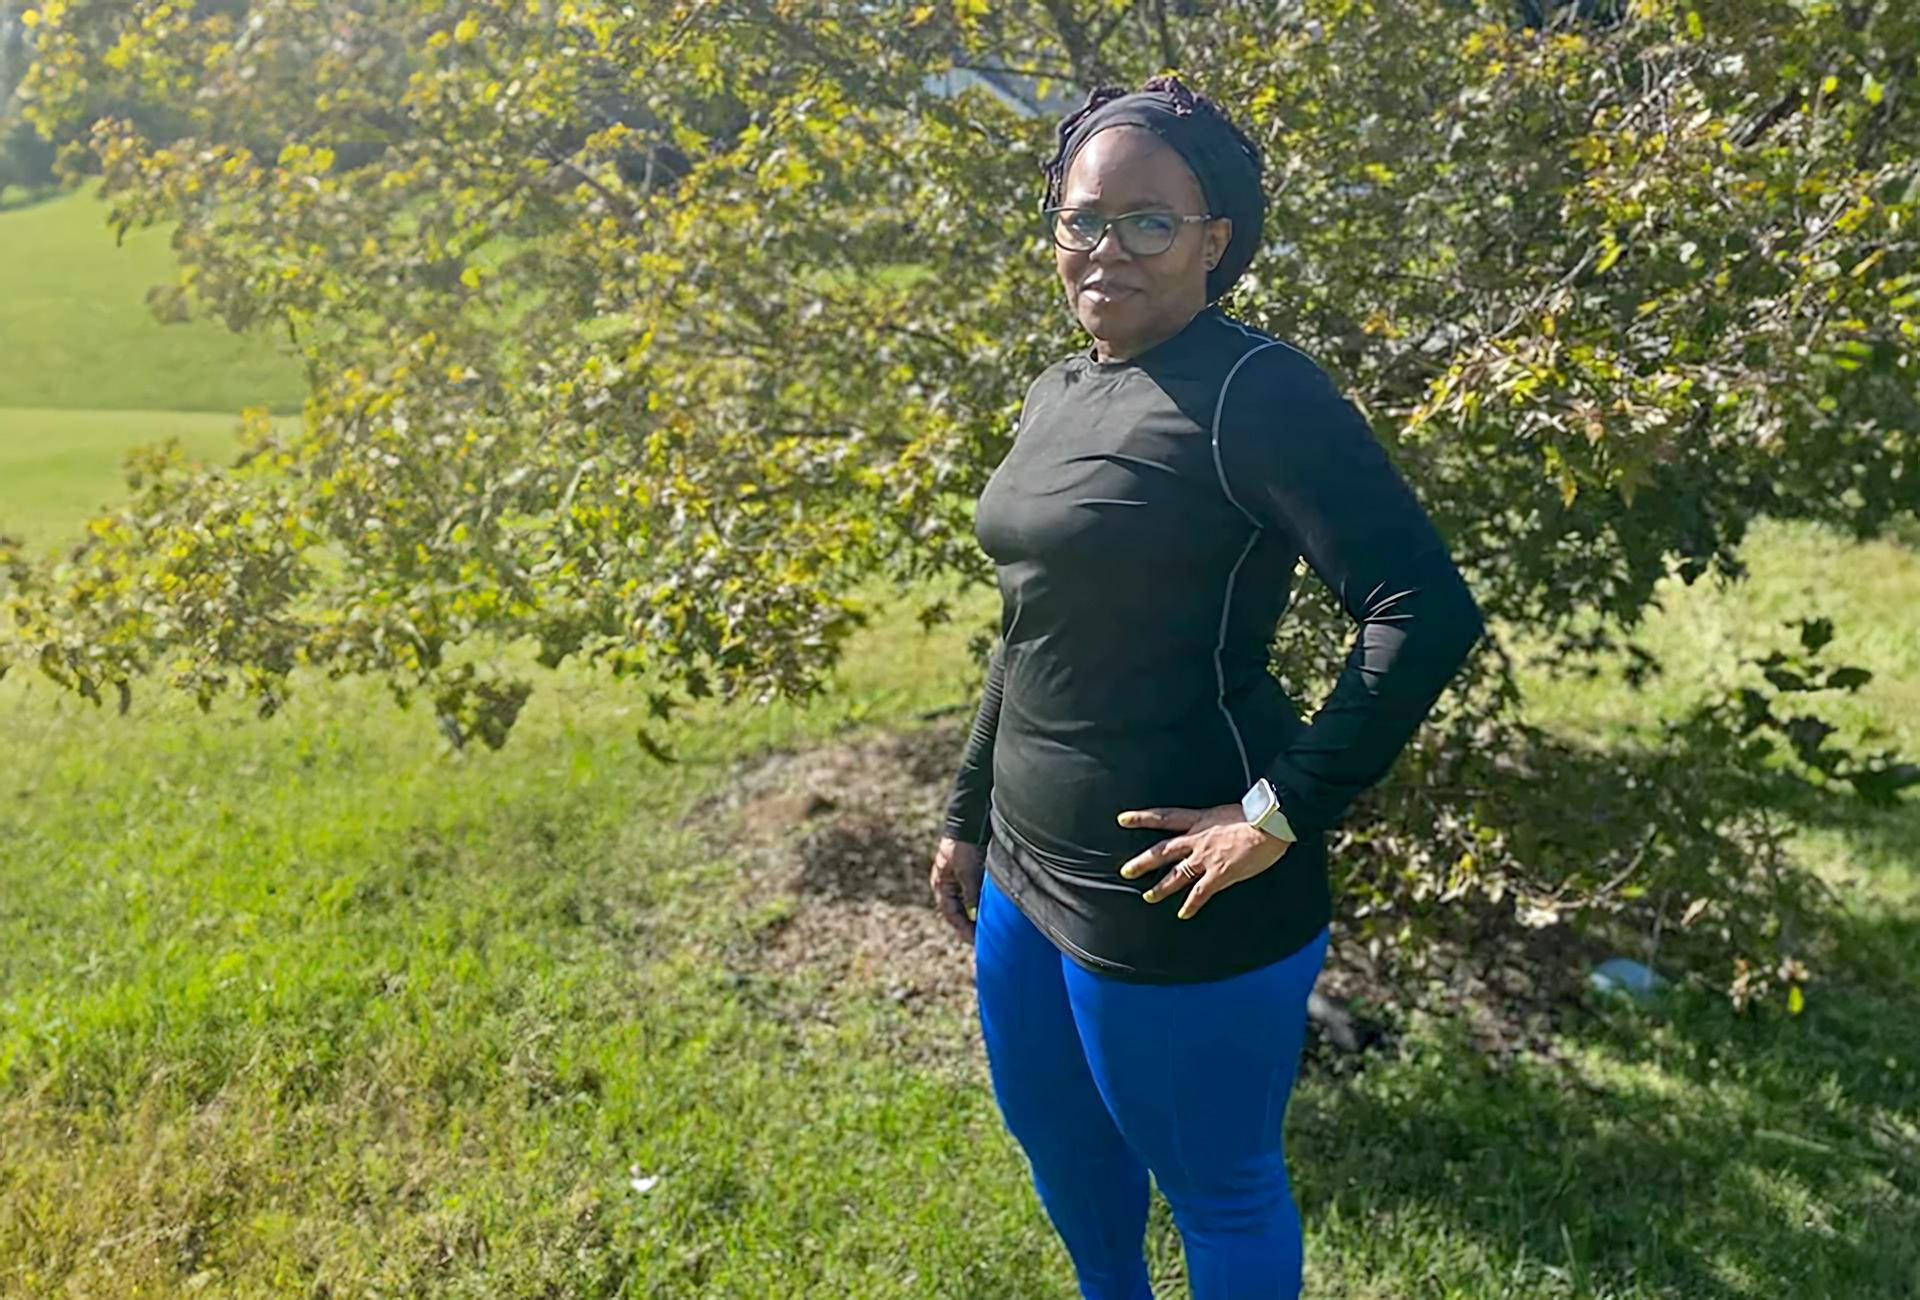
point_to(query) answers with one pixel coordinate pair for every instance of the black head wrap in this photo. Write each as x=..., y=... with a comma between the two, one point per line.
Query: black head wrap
x=1220, y=155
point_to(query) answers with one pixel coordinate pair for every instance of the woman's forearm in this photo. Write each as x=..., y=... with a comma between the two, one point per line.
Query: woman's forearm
x=971, y=802
x=1415, y=631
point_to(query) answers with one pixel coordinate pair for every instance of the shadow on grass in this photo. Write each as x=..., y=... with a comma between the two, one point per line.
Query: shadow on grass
x=1751, y=1160
x=1683, y=1150
x=15, y=197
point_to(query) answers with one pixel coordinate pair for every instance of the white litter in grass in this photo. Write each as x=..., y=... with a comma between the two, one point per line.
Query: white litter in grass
x=640, y=1182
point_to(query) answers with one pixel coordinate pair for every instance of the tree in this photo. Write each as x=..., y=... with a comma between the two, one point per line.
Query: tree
x=647, y=330
x=25, y=160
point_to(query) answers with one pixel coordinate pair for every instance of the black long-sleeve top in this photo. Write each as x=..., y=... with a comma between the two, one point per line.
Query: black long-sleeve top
x=1145, y=529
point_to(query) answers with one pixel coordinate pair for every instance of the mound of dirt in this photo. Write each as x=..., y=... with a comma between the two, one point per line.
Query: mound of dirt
x=843, y=834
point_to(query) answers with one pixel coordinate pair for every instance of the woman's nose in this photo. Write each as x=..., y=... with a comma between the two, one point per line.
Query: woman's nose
x=1109, y=249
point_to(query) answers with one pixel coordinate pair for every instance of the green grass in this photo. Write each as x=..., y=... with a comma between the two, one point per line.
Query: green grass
x=354, y=1007
x=315, y=1007
x=75, y=331
x=58, y=467
x=1868, y=589
x=86, y=372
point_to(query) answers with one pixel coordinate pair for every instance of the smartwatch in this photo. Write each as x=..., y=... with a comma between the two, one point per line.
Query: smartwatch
x=1261, y=807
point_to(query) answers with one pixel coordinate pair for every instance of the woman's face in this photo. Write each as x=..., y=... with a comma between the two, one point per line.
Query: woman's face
x=1130, y=303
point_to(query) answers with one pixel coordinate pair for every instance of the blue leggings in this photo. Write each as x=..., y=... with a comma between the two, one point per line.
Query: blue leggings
x=1100, y=1081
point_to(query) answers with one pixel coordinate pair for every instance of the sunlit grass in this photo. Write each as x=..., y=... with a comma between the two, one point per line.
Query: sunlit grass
x=59, y=467
x=1870, y=590
x=317, y=1001
x=75, y=330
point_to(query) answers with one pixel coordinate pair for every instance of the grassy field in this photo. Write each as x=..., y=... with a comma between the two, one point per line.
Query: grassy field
x=75, y=329
x=60, y=466
x=316, y=1007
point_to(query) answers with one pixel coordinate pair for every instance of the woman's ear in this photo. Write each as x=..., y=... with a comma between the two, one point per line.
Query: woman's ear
x=1219, y=235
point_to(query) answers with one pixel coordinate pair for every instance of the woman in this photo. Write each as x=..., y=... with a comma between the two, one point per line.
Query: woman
x=1139, y=818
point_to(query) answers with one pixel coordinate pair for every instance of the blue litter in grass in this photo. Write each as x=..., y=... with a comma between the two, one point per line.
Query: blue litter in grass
x=1624, y=975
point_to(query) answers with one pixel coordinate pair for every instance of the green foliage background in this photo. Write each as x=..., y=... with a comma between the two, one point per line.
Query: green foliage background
x=646, y=334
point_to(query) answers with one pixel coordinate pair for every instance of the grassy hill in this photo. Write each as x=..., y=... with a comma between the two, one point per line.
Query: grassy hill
x=57, y=467
x=75, y=332
x=86, y=372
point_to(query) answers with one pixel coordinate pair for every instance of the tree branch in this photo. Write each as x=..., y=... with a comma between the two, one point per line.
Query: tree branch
x=1083, y=50
x=1774, y=114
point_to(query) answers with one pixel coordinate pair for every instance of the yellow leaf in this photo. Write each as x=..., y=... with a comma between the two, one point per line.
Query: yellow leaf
x=471, y=277
x=466, y=30
x=1796, y=1001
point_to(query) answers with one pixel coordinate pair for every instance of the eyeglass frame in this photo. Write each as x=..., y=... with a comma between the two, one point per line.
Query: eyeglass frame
x=1051, y=217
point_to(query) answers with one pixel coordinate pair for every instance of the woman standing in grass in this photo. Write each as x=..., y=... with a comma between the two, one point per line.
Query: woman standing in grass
x=1145, y=528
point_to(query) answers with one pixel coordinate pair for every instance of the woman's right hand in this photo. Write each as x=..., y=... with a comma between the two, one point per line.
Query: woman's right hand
x=958, y=868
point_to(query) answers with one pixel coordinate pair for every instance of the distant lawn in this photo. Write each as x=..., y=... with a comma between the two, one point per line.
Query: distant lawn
x=75, y=331
x=1870, y=590
x=59, y=467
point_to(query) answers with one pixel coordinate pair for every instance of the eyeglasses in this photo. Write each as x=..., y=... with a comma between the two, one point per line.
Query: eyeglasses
x=1143, y=234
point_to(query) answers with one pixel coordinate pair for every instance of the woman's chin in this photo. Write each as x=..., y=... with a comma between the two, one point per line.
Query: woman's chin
x=1107, y=322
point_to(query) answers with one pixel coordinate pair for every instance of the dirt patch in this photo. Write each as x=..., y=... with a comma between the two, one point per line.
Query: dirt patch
x=1510, y=987
x=843, y=834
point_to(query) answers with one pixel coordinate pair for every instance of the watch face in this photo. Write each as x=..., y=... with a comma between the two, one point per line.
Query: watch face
x=1258, y=803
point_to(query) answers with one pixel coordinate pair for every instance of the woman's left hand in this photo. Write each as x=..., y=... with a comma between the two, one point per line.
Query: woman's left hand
x=1216, y=848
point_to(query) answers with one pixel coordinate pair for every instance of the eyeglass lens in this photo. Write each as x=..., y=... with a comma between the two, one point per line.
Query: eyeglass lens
x=1141, y=233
